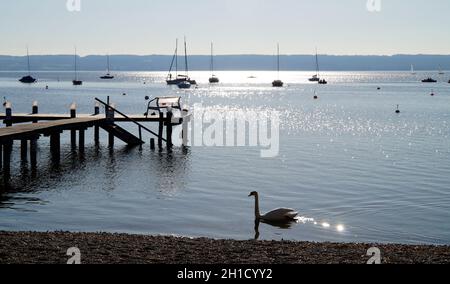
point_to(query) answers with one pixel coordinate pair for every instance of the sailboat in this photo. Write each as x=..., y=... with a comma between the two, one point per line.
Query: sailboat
x=214, y=79
x=76, y=82
x=440, y=70
x=28, y=79
x=108, y=76
x=179, y=78
x=316, y=77
x=412, y=70
x=278, y=83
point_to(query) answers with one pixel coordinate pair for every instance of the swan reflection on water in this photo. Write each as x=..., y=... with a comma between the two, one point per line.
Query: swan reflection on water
x=286, y=225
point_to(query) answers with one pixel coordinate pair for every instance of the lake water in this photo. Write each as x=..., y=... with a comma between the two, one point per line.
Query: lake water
x=355, y=170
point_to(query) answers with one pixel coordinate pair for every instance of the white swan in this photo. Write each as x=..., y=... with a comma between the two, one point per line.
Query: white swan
x=277, y=215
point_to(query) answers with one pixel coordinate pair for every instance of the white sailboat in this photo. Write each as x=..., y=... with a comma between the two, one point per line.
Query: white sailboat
x=440, y=70
x=278, y=83
x=316, y=78
x=28, y=79
x=214, y=79
x=108, y=75
x=76, y=82
x=413, y=72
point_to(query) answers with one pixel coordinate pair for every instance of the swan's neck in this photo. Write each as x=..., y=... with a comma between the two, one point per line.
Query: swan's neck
x=257, y=213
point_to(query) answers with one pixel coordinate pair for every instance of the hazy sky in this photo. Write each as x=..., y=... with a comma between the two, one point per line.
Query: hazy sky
x=236, y=26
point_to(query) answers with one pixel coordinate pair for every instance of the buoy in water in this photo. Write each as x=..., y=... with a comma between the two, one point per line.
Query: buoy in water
x=124, y=94
x=398, y=109
x=46, y=87
x=316, y=97
x=378, y=88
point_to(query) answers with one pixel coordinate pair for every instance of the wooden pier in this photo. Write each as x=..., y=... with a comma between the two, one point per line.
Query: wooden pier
x=29, y=128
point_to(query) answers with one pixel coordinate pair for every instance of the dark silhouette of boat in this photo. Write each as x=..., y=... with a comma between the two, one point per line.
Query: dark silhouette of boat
x=184, y=85
x=323, y=82
x=316, y=78
x=213, y=79
x=179, y=78
x=76, y=82
x=28, y=79
x=429, y=80
x=278, y=83
x=108, y=76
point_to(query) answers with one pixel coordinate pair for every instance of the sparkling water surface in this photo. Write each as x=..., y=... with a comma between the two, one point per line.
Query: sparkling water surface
x=355, y=170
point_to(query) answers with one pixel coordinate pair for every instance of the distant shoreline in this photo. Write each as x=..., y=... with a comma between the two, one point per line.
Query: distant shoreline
x=230, y=62
x=104, y=248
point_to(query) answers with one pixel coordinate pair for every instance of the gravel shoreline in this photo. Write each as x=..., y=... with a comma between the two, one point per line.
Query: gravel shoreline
x=104, y=248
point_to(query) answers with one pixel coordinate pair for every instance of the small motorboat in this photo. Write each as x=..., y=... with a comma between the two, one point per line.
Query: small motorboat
x=323, y=82
x=277, y=84
x=28, y=80
x=214, y=80
x=107, y=77
x=314, y=78
x=429, y=80
x=184, y=85
x=77, y=82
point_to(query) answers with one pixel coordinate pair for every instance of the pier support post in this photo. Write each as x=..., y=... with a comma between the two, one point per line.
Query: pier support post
x=55, y=146
x=96, y=127
x=73, y=133
x=33, y=152
x=161, y=129
x=7, y=149
x=82, y=139
x=1, y=156
x=110, y=121
x=185, y=131
x=35, y=110
x=24, y=150
x=169, y=129
x=8, y=112
x=152, y=144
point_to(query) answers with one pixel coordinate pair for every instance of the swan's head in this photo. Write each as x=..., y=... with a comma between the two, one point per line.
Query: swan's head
x=254, y=193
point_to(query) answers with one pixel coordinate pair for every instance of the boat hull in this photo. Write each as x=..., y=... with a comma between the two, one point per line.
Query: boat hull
x=27, y=80
x=277, y=84
x=214, y=80
x=77, y=83
x=179, y=81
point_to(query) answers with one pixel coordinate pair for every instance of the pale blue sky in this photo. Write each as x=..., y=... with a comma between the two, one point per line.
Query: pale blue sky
x=236, y=26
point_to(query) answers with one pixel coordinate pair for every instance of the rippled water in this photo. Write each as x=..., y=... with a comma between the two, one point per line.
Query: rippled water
x=354, y=169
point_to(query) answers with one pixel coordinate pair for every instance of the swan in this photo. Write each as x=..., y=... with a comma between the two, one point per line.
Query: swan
x=277, y=215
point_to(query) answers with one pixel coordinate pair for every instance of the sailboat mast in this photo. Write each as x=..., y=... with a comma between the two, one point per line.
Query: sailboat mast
x=176, y=59
x=108, y=62
x=186, y=57
x=28, y=61
x=278, y=60
x=212, y=58
x=75, y=57
x=317, y=63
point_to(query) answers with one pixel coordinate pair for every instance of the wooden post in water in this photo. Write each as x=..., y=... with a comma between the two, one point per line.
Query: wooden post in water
x=82, y=139
x=33, y=152
x=73, y=133
x=55, y=146
x=161, y=129
x=96, y=127
x=8, y=112
x=152, y=143
x=7, y=149
x=24, y=150
x=169, y=129
x=35, y=110
x=185, y=132
x=1, y=156
x=110, y=121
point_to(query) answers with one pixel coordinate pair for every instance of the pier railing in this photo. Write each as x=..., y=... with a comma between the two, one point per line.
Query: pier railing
x=140, y=126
